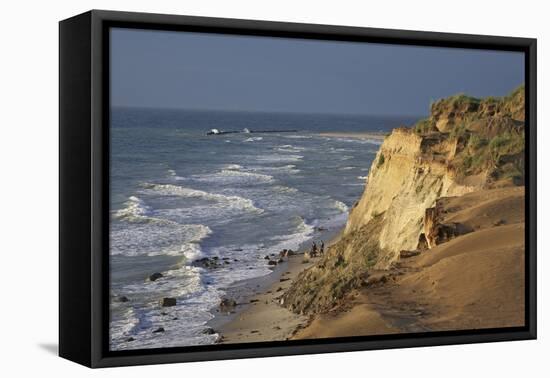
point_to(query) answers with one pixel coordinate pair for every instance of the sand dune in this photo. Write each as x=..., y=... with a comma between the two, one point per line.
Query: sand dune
x=473, y=281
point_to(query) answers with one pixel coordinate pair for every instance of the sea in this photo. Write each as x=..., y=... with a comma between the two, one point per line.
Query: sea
x=178, y=195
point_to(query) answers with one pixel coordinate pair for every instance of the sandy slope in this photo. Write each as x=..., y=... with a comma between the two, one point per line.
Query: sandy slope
x=473, y=281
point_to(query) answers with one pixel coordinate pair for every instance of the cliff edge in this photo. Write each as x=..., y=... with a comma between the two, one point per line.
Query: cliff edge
x=465, y=145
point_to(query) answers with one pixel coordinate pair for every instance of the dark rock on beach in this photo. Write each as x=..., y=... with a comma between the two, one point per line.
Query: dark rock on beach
x=208, y=331
x=272, y=262
x=123, y=298
x=155, y=276
x=286, y=253
x=168, y=302
x=207, y=263
x=158, y=330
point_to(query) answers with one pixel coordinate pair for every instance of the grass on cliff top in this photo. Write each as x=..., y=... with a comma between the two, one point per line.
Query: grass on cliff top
x=456, y=100
x=519, y=91
x=483, y=154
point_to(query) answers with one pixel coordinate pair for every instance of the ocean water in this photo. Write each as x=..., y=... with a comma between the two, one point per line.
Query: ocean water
x=178, y=195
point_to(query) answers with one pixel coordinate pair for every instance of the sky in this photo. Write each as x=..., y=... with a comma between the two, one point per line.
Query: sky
x=183, y=70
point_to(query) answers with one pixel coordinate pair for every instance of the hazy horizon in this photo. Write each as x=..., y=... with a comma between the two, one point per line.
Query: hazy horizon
x=215, y=72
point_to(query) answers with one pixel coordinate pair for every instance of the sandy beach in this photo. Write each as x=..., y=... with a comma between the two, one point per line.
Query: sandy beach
x=263, y=318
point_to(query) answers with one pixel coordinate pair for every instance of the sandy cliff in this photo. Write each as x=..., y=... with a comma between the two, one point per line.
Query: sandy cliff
x=466, y=145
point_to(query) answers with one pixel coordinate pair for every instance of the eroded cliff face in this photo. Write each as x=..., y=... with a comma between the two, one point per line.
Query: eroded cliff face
x=409, y=173
x=465, y=145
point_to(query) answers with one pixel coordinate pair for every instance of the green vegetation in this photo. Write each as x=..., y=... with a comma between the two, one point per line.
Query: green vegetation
x=519, y=91
x=459, y=132
x=506, y=144
x=497, y=155
x=461, y=99
x=476, y=142
x=425, y=126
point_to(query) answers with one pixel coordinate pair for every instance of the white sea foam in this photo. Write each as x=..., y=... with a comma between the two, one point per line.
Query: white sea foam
x=362, y=177
x=303, y=232
x=341, y=206
x=288, y=169
x=298, y=136
x=376, y=142
x=231, y=201
x=154, y=239
x=253, y=139
x=278, y=158
x=185, y=321
x=233, y=166
x=289, y=148
x=233, y=177
x=136, y=211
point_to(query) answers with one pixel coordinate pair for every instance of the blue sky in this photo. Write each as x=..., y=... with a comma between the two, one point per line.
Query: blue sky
x=184, y=70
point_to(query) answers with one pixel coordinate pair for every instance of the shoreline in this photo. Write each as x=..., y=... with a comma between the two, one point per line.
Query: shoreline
x=260, y=317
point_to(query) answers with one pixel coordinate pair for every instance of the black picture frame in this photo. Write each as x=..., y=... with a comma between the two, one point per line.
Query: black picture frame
x=84, y=187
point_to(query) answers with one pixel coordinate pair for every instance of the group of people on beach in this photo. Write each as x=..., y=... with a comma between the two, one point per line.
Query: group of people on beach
x=317, y=251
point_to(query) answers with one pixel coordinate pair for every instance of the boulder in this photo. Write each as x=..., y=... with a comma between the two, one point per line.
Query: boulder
x=207, y=263
x=168, y=302
x=272, y=262
x=208, y=331
x=155, y=276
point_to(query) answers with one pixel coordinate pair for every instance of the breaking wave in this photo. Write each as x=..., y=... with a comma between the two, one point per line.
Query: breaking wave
x=230, y=201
